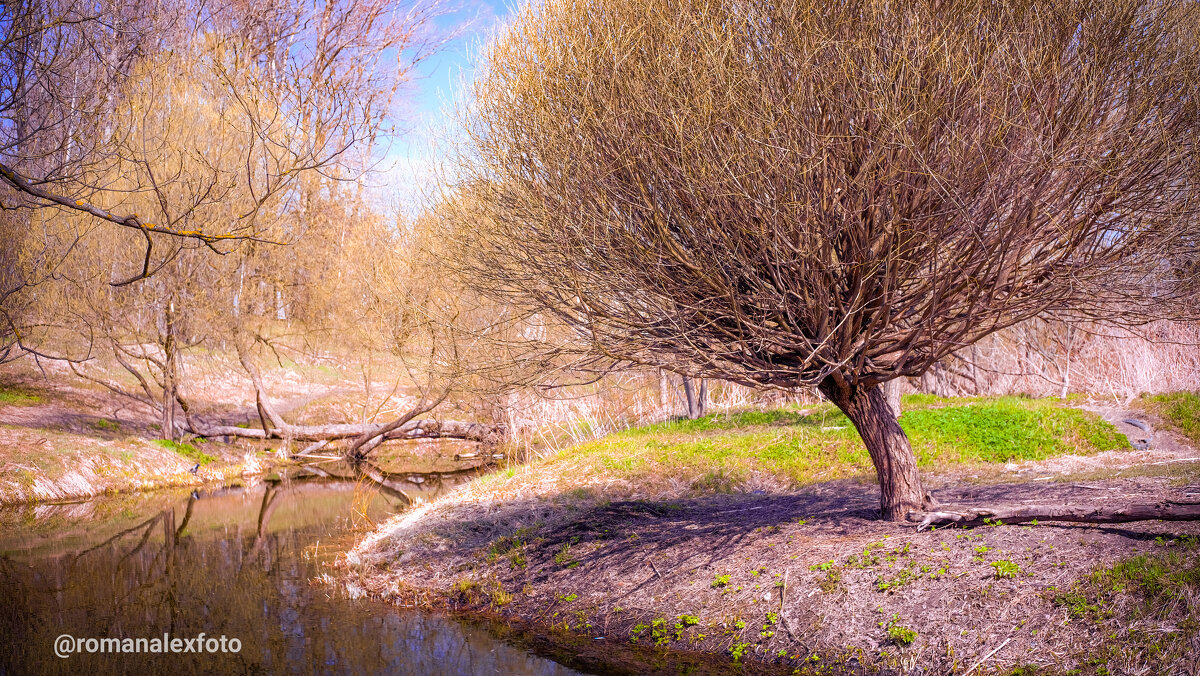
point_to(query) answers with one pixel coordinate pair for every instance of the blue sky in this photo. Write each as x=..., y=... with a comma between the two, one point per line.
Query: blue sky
x=421, y=108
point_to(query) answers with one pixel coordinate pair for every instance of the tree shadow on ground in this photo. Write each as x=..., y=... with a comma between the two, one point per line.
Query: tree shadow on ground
x=685, y=535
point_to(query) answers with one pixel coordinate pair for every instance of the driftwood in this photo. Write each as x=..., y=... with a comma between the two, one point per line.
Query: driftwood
x=974, y=516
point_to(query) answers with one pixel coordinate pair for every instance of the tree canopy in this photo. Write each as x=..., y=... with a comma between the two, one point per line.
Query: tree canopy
x=833, y=194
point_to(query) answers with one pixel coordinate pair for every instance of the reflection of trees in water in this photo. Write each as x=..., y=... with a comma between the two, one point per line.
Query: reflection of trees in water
x=403, y=488
x=243, y=581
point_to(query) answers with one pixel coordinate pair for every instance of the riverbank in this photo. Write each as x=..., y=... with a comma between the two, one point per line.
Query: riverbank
x=63, y=443
x=754, y=539
x=54, y=446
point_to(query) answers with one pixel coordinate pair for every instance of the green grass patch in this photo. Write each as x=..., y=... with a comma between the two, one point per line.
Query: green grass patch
x=1146, y=605
x=1180, y=409
x=15, y=396
x=1004, y=429
x=186, y=450
x=719, y=453
x=107, y=425
x=1160, y=582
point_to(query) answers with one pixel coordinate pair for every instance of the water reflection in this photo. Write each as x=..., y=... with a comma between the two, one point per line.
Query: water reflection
x=235, y=562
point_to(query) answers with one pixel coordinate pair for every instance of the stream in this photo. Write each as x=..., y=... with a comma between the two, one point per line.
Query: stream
x=241, y=563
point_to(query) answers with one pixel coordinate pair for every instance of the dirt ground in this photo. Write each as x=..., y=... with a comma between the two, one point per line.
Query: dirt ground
x=811, y=579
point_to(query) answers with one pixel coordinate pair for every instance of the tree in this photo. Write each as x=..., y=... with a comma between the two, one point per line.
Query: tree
x=250, y=120
x=836, y=195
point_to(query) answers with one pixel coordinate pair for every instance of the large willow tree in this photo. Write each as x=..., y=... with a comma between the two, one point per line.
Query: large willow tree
x=832, y=194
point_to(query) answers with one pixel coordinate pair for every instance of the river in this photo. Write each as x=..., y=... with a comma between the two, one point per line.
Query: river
x=243, y=563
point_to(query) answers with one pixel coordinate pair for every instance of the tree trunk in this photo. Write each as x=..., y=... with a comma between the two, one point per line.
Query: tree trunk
x=697, y=397
x=664, y=391
x=689, y=394
x=892, y=455
x=891, y=391
x=169, y=376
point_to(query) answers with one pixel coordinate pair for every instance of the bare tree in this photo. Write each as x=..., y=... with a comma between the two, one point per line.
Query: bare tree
x=801, y=193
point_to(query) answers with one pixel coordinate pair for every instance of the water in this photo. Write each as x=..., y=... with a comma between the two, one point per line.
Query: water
x=238, y=563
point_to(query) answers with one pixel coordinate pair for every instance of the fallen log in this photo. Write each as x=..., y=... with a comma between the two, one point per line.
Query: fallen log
x=974, y=516
x=413, y=429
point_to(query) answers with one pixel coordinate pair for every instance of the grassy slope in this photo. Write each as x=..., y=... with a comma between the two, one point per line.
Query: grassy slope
x=1144, y=605
x=84, y=454
x=790, y=448
x=1180, y=410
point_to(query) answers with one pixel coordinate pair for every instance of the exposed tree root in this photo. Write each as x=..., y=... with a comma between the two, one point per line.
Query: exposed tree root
x=974, y=516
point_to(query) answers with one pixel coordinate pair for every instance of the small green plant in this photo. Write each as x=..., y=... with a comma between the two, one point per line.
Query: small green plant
x=898, y=633
x=637, y=631
x=658, y=631
x=822, y=566
x=1005, y=568
x=107, y=425
x=564, y=558
x=688, y=620
x=740, y=624
x=902, y=578
x=721, y=581
x=832, y=578
x=186, y=450
x=738, y=650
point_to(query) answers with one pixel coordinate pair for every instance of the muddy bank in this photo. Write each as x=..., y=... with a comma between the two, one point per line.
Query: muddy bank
x=810, y=580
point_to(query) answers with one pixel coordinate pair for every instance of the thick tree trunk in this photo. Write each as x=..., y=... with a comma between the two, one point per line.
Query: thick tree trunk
x=892, y=455
x=891, y=391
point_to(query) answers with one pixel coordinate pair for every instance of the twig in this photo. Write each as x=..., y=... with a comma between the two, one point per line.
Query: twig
x=985, y=657
x=783, y=591
x=660, y=576
x=782, y=595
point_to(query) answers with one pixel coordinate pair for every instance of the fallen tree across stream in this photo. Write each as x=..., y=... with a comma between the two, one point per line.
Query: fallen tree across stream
x=413, y=429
